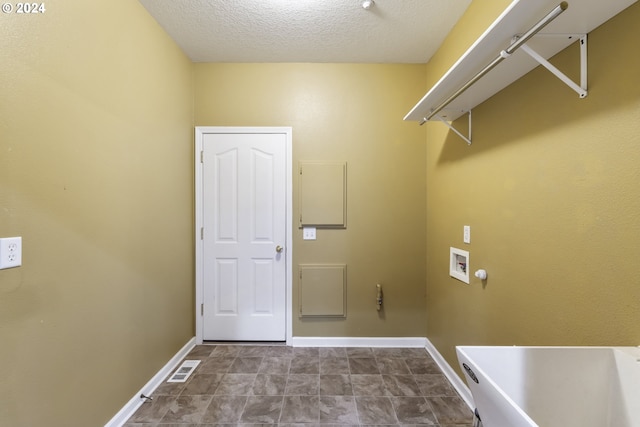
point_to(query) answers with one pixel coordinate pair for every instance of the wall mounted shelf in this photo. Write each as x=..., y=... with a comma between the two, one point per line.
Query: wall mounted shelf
x=580, y=18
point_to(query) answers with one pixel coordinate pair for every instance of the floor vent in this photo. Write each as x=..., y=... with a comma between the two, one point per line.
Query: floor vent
x=184, y=371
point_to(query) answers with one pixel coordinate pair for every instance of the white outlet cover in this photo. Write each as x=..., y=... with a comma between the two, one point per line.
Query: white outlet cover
x=10, y=252
x=309, y=233
x=466, y=234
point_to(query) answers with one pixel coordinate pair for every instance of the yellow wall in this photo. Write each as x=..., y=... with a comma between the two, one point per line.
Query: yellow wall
x=352, y=113
x=96, y=176
x=97, y=107
x=550, y=190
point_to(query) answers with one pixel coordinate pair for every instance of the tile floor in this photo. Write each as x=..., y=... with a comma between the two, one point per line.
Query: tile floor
x=251, y=385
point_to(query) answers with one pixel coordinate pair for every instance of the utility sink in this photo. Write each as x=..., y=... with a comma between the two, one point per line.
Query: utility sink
x=554, y=386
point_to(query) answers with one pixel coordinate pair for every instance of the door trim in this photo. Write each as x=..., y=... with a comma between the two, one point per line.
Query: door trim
x=200, y=131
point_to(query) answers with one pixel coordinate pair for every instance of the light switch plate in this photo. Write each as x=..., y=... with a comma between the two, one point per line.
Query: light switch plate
x=309, y=233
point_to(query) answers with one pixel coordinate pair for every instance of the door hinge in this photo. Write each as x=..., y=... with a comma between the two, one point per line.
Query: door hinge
x=201, y=309
x=201, y=233
x=300, y=170
x=202, y=156
x=300, y=273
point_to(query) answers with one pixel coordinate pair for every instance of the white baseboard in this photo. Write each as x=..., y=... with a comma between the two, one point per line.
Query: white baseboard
x=134, y=403
x=451, y=375
x=358, y=342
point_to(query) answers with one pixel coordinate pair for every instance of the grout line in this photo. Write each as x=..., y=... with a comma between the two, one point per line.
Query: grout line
x=374, y=356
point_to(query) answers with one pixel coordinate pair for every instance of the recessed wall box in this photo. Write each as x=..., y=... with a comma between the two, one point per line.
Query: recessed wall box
x=323, y=290
x=323, y=194
x=459, y=264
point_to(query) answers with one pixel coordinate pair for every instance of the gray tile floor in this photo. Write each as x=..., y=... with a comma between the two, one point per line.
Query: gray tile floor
x=270, y=384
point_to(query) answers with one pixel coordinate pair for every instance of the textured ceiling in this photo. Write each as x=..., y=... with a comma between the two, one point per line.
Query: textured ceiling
x=391, y=31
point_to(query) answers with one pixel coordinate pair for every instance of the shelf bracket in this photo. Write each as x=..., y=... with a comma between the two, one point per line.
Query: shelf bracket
x=581, y=89
x=467, y=139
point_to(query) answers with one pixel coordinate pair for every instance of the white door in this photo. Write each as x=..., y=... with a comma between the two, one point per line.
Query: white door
x=244, y=235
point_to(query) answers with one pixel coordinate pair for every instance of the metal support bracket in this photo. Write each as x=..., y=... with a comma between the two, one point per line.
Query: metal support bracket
x=448, y=124
x=580, y=89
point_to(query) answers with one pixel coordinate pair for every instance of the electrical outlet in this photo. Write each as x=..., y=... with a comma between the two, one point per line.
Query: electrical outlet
x=466, y=235
x=309, y=233
x=10, y=252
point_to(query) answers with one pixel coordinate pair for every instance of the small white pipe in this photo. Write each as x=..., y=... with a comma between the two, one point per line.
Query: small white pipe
x=481, y=274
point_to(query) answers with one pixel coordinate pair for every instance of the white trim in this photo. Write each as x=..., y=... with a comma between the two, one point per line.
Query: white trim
x=358, y=342
x=289, y=247
x=199, y=275
x=199, y=133
x=134, y=403
x=451, y=375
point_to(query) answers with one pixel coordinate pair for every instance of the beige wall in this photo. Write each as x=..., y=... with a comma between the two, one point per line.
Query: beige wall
x=550, y=189
x=96, y=113
x=352, y=113
x=96, y=176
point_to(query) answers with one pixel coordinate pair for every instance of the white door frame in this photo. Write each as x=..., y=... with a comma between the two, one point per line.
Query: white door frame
x=199, y=247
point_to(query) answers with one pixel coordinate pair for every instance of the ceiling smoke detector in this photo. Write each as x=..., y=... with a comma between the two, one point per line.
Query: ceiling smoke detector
x=368, y=4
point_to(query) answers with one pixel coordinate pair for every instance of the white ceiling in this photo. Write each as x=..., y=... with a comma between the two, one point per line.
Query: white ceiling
x=391, y=31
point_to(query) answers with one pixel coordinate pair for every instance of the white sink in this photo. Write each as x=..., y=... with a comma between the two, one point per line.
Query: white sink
x=554, y=386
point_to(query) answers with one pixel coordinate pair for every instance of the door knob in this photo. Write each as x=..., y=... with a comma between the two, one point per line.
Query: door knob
x=278, y=248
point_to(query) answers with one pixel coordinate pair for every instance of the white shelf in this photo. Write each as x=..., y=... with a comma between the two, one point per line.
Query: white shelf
x=581, y=17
